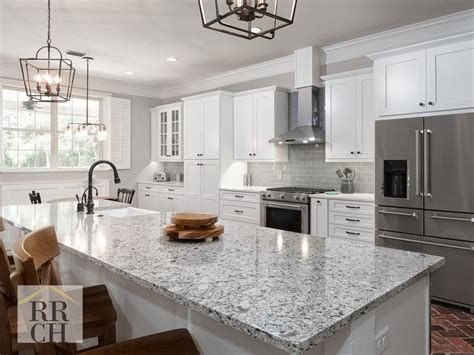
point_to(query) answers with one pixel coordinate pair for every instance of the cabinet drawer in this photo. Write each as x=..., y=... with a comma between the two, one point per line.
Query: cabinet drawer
x=403, y=220
x=172, y=190
x=362, y=234
x=240, y=211
x=353, y=220
x=360, y=208
x=240, y=196
x=146, y=187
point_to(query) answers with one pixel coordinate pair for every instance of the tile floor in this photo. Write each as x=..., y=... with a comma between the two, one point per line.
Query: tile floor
x=452, y=330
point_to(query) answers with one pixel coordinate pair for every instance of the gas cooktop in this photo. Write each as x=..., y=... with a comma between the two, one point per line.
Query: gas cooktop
x=291, y=194
x=300, y=190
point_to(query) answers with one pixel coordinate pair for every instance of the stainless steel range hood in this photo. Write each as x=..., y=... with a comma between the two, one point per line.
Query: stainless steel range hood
x=309, y=127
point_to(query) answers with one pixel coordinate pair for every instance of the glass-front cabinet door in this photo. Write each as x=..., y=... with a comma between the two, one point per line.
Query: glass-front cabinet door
x=166, y=136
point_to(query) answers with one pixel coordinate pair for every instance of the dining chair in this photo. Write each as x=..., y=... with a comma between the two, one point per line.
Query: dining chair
x=36, y=251
x=125, y=195
x=35, y=198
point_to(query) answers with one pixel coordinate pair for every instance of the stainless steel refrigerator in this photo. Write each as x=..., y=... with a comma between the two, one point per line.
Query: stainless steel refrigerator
x=424, y=194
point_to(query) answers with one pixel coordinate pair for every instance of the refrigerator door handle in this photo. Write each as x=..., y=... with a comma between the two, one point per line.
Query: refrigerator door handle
x=384, y=236
x=427, y=163
x=418, y=134
x=412, y=215
x=468, y=220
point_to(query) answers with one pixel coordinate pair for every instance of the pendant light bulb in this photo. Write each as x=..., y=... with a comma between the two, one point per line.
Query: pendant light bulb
x=38, y=78
x=102, y=134
x=47, y=78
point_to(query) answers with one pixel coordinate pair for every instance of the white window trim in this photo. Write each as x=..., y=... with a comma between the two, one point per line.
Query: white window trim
x=105, y=114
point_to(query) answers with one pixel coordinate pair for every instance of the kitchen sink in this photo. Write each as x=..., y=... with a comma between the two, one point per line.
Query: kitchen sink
x=125, y=212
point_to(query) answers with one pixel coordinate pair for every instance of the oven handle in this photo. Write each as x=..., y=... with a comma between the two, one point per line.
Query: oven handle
x=283, y=205
x=383, y=236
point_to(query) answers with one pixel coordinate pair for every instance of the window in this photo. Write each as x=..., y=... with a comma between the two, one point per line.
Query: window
x=34, y=133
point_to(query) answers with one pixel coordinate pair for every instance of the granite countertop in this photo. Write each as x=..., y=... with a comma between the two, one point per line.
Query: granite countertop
x=241, y=188
x=167, y=183
x=289, y=290
x=362, y=197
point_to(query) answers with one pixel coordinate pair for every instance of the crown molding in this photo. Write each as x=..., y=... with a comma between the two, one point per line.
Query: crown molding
x=426, y=31
x=347, y=73
x=11, y=71
x=266, y=69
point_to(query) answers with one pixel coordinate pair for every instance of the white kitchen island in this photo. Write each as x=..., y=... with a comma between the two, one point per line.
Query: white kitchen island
x=255, y=291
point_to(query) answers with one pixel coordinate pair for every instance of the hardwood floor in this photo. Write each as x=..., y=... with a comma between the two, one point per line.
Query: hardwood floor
x=452, y=330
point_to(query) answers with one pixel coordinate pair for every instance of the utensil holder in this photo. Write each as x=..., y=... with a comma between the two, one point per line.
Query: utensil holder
x=347, y=187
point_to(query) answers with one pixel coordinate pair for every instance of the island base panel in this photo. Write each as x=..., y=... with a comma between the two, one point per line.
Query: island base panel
x=142, y=312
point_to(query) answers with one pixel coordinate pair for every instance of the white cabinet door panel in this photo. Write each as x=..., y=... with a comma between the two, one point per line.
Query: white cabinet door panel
x=264, y=126
x=365, y=117
x=171, y=203
x=210, y=128
x=155, y=135
x=192, y=185
x=319, y=217
x=450, y=76
x=341, y=125
x=193, y=123
x=149, y=200
x=210, y=186
x=401, y=84
x=244, y=145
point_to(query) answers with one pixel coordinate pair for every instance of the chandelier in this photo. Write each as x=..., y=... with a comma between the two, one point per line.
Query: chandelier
x=247, y=19
x=84, y=128
x=48, y=77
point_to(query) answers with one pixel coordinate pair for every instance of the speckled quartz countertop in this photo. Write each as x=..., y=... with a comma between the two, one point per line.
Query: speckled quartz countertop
x=362, y=197
x=286, y=289
x=241, y=188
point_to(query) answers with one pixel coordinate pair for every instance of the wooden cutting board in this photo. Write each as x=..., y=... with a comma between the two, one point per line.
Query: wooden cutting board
x=190, y=219
x=208, y=233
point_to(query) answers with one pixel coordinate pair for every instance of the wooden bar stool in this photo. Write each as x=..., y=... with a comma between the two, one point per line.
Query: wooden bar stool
x=99, y=315
x=36, y=251
x=125, y=195
x=35, y=198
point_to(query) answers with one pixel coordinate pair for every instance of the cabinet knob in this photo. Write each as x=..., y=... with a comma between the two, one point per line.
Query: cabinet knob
x=421, y=104
x=358, y=152
x=352, y=152
x=250, y=154
x=431, y=103
x=254, y=154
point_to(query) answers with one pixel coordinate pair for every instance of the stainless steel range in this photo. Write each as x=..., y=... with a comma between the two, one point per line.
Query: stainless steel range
x=287, y=208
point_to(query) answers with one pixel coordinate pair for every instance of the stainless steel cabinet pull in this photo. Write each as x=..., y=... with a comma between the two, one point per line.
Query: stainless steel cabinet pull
x=147, y=187
x=352, y=220
x=238, y=211
x=170, y=189
x=353, y=207
x=412, y=215
x=383, y=236
x=238, y=196
x=468, y=220
x=352, y=233
x=427, y=161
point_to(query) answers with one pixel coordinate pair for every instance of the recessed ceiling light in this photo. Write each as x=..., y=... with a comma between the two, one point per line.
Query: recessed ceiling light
x=130, y=72
x=256, y=29
x=172, y=59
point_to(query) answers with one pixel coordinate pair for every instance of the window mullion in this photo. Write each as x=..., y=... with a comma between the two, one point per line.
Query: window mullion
x=54, y=136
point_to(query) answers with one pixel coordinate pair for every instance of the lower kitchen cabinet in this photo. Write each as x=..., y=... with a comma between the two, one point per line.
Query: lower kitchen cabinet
x=241, y=207
x=201, y=186
x=171, y=203
x=319, y=217
x=149, y=200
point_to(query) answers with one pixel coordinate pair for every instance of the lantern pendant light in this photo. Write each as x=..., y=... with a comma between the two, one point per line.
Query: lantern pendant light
x=48, y=77
x=247, y=19
x=84, y=128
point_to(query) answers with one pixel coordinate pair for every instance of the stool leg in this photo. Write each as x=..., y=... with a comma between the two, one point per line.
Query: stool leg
x=109, y=336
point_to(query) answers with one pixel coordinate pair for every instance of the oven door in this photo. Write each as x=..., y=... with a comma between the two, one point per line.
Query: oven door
x=293, y=217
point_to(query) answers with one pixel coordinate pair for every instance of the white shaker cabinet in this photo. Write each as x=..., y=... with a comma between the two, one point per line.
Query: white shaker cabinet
x=260, y=115
x=319, y=217
x=450, y=76
x=204, y=117
x=166, y=132
x=350, y=117
x=432, y=79
x=201, y=186
x=171, y=203
x=149, y=200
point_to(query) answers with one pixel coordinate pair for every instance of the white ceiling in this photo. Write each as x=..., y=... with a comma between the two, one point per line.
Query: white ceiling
x=137, y=35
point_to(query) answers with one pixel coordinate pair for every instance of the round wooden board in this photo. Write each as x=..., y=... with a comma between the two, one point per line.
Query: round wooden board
x=191, y=219
x=212, y=232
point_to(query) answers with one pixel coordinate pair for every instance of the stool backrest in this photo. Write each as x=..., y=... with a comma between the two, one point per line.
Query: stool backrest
x=6, y=287
x=35, y=198
x=125, y=195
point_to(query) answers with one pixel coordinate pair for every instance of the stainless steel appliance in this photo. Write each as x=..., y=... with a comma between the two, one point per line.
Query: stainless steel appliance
x=161, y=177
x=287, y=208
x=425, y=196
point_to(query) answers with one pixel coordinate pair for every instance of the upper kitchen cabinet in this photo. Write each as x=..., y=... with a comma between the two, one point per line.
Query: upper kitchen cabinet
x=167, y=132
x=350, y=117
x=205, y=117
x=428, y=80
x=260, y=115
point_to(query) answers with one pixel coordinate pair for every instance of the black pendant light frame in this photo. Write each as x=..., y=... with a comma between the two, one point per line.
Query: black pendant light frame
x=255, y=10
x=83, y=126
x=59, y=70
